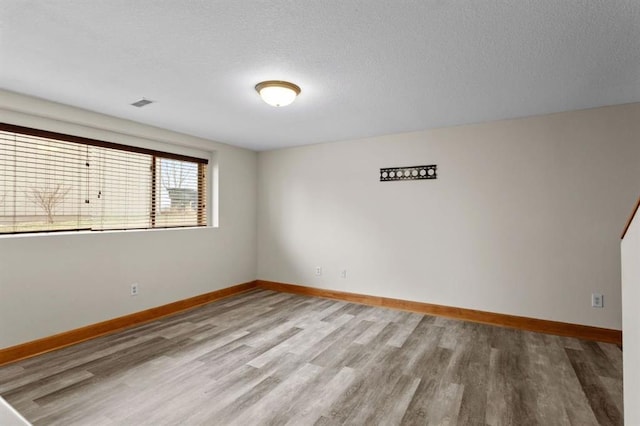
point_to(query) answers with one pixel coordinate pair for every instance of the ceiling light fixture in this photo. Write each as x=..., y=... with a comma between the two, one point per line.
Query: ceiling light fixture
x=277, y=93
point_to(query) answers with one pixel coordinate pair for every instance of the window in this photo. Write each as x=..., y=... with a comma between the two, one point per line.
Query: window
x=55, y=182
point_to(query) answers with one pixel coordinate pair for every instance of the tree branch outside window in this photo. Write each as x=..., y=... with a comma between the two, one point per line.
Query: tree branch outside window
x=48, y=198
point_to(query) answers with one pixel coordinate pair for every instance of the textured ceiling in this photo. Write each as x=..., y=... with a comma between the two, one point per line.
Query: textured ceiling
x=366, y=67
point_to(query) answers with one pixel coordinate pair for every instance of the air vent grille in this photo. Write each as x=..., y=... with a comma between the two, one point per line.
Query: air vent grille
x=142, y=102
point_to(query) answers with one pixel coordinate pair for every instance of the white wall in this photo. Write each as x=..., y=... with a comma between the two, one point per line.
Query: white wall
x=9, y=416
x=54, y=283
x=630, y=249
x=524, y=218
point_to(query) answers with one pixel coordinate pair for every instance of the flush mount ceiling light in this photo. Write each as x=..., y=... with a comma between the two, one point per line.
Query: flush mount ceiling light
x=277, y=93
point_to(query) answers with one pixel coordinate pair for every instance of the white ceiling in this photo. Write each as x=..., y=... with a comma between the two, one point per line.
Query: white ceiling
x=366, y=67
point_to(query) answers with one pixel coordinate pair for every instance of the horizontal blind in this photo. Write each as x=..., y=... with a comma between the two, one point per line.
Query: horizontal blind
x=42, y=184
x=120, y=188
x=52, y=184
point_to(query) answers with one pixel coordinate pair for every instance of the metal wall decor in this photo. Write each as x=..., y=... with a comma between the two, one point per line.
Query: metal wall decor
x=409, y=173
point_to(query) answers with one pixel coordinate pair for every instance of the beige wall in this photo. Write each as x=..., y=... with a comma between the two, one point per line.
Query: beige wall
x=53, y=283
x=524, y=218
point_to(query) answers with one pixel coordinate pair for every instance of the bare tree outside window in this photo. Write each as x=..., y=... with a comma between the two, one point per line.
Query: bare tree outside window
x=48, y=198
x=173, y=175
x=176, y=177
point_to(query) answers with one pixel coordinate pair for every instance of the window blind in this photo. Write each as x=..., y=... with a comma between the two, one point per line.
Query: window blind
x=55, y=182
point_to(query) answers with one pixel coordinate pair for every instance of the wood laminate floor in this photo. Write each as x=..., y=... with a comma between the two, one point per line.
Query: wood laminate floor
x=268, y=358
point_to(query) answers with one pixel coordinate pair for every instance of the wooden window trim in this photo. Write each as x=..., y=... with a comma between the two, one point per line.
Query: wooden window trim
x=202, y=188
x=86, y=141
x=154, y=190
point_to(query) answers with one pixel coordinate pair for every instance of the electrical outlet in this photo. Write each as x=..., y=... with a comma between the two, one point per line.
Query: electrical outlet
x=343, y=273
x=134, y=289
x=318, y=270
x=597, y=300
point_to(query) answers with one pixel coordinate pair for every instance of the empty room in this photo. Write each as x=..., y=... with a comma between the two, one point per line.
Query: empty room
x=319, y=213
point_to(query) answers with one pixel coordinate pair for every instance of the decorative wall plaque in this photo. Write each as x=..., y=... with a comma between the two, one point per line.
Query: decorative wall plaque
x=409, y=173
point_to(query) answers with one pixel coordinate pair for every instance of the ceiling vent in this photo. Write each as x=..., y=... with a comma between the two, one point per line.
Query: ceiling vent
x=142, y=102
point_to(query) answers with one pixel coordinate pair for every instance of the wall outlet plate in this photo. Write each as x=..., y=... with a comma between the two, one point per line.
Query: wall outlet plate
x=597, y=300
x=134, y=289
x=318, y=270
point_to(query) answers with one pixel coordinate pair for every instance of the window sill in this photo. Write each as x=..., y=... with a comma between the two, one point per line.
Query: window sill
x=107, y=231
